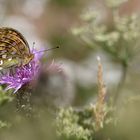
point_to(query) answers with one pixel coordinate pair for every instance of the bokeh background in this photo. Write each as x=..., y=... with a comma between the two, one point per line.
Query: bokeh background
x=51, y=23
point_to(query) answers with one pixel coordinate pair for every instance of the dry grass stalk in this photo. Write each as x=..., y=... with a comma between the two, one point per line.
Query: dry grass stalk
x=99, y=108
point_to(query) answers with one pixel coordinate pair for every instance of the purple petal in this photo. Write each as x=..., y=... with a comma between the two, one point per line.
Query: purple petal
x=22, y=75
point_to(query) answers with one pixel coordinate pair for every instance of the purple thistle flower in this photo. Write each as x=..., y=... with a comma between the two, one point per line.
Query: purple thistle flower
x=22, y=75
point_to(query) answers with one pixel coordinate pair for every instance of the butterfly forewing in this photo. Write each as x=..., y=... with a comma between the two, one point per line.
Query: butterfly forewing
x=14, y=49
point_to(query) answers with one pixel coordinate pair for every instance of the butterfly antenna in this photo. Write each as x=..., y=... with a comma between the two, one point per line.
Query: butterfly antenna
x=48, y=49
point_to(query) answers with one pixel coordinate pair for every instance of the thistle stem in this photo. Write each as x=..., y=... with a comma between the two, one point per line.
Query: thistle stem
x=24, y=103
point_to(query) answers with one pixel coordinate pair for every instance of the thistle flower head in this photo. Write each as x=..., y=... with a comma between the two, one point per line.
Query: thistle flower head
x=22, y=75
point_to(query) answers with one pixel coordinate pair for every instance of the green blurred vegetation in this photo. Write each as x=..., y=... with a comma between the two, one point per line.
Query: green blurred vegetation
x=81, y=28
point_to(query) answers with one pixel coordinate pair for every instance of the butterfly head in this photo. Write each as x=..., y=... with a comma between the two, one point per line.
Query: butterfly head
x=27, y=59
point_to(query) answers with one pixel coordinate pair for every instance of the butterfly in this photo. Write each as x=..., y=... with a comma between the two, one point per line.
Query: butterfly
x=14, y=49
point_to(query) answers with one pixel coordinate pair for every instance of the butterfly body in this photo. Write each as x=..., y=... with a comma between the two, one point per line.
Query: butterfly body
x=14, y=49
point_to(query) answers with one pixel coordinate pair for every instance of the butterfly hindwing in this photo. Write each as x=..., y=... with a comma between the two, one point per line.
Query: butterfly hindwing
x=14, y=49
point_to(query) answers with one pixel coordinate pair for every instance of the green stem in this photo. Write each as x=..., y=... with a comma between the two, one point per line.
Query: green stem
x=24, y=103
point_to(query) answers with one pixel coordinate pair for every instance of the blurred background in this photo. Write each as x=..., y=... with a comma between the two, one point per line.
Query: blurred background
x=83, y=30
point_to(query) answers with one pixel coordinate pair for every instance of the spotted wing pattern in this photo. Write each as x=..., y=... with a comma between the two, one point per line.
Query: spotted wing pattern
x=13, y=48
